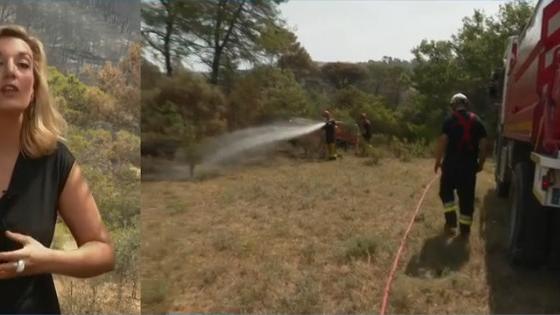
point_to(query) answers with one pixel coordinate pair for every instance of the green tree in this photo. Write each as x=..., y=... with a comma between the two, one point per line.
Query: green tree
x=388, y=78
x=276, y=40
x=463, y=64
x=265, y=94
x=165, y=22
x=234, y=30
x=343, y=74
x=354, y=102
x=296, y=59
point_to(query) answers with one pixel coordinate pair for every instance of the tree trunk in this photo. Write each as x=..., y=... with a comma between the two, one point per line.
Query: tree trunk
x=167, y=43
x=216, y=66
x=219, y=46
x=168, y=67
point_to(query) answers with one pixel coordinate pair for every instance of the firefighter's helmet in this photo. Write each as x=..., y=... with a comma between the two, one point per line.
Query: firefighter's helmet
x=459, y=99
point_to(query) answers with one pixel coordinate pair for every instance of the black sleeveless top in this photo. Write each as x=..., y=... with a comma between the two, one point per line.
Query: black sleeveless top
x=30, y=206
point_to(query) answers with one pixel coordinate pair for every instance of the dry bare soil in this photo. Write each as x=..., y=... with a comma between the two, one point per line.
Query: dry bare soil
x=299, y=237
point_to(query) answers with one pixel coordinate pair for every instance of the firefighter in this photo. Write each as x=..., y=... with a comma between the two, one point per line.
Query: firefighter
x=330, y=135
x=462, y=145
x=366, y=130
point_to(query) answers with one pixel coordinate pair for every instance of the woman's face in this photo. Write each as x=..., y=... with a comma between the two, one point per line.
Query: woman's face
x=16, y=74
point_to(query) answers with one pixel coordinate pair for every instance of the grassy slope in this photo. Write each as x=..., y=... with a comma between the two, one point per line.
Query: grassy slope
x=319, y=237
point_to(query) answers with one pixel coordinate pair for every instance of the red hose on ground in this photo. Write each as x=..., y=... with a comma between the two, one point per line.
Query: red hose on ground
x=401, y=248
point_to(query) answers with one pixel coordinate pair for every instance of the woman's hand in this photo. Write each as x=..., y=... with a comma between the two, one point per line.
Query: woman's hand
x=34, y=255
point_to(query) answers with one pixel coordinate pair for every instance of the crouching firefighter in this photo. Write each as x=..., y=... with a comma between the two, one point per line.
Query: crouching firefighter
x=462, y=145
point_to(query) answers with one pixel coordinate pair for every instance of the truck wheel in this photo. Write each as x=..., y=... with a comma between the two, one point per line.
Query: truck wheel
x=502, y=187
x=527, y=235
x=554, y=249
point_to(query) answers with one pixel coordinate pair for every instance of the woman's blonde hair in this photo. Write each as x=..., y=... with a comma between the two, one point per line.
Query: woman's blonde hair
x=43, y=125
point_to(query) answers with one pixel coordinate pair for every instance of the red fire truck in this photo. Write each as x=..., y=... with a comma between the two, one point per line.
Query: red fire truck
x=527, y=148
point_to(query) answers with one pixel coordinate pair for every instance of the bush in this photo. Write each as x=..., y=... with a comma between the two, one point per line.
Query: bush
x=374, y=155
x=267, y=94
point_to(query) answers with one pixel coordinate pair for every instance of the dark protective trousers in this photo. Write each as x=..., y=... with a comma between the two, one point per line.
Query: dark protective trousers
x=460, y=177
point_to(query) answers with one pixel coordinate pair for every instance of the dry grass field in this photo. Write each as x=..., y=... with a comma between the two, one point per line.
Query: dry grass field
x=301, y=237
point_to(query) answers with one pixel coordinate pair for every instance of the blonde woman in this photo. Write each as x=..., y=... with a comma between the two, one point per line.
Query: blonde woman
x=38, y=180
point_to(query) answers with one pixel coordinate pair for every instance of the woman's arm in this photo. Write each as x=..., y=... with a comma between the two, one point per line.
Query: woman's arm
x=79, y=211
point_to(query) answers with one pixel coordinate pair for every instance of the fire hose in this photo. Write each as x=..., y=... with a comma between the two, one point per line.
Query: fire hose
x=401, y=249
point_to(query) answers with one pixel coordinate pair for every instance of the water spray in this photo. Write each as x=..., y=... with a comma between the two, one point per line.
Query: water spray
x=238, y=142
